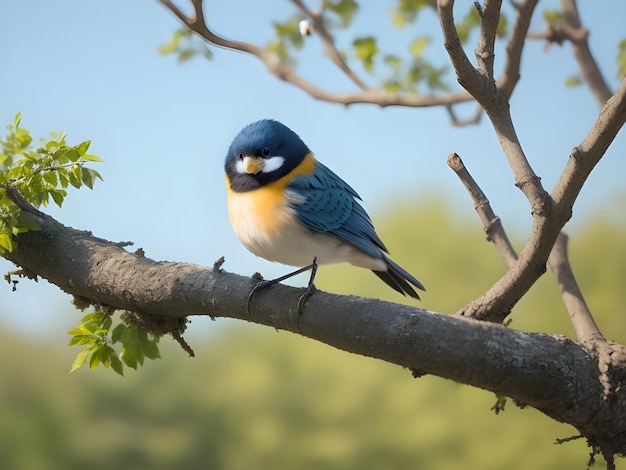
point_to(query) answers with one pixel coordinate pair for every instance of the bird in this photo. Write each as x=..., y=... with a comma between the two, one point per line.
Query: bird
x=286, y=206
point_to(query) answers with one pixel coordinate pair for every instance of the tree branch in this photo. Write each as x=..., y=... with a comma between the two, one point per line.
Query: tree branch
x=513, y=58
x=578, y=35
x=532, y=368
x=584, y=325
x=490, y=16
x=491, y=222
x=286, y=73
x=571, y=30
x=550, y=213
x=587, y=332
x=329, y=44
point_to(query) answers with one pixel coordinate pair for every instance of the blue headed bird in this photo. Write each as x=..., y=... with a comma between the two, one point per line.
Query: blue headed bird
x=286, y=206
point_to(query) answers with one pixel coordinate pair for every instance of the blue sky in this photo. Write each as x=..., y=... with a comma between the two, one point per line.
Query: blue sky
x=91, y=68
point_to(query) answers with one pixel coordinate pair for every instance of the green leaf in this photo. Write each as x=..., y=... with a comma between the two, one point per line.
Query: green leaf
x=553, y=17
x=470, y=21
x=344, y=9
x=80, y=339
x=393, y=86
x=150, y=348
x=6, y=242
x=58, y=195
x=82, y=147
x=573, y=80
x=185, y=45
x=116, y=363
x=72, y=154
x=50, y=177
x=96, y=358
x=418, y=45
x=64, y=179
x=23, y=138
x=393, y=60
x=27, y=223
x=80, y=359
x=118, y=332
x=76, y=175
x=173, y=45
x=185, y=55
x=87, y=177
x=91, y=158
x=17, y=120
x=621, y=59
x=365, y=49
x=407, y=12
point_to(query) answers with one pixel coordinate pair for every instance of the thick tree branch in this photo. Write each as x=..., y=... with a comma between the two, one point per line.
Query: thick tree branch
x=552, y=374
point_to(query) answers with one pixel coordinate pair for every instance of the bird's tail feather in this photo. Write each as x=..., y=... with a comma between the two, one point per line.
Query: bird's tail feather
x=400, y=280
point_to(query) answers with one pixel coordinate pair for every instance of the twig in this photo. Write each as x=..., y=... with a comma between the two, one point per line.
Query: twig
x=563, y=440
x=578, y=35
x=183, y=344
x=586, y=156
x=513, y=57
x=491, y=222
x=329, y=44
x=286, y=73
x=571, y=30
x=456, y=122
x=489, y=18
x=579, y=313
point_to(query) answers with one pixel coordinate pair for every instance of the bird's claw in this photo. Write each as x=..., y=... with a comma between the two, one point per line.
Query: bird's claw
x=309, y=291
x=264, y=284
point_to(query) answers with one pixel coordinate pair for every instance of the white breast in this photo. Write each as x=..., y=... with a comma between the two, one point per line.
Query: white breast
x=274, y=234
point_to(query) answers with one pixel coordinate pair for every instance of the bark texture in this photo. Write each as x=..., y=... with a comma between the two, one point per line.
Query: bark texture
x=572, y=383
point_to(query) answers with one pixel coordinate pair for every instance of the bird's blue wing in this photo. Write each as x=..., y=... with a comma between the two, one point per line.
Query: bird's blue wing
x=326, y=203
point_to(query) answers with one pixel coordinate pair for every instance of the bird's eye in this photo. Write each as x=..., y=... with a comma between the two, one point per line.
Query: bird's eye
x=240, y=156
x=265, y=152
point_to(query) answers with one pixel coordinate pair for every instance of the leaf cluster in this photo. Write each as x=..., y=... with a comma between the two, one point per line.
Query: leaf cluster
x=410, y=72
x=39, y=175
x=96, y=334
x=185, y=45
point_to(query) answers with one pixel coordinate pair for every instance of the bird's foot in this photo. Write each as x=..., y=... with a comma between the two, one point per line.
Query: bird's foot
x=264, y=284
x=310, y=290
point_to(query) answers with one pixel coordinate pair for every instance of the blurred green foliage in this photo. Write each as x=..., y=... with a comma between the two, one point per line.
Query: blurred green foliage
x=185, y=45
x=254, y=398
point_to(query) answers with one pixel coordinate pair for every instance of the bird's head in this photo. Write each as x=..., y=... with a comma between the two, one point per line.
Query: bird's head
x=261, y=153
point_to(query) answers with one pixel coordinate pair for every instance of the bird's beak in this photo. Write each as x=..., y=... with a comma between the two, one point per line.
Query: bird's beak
x=253, y=165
